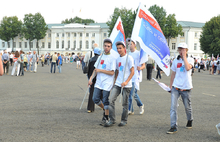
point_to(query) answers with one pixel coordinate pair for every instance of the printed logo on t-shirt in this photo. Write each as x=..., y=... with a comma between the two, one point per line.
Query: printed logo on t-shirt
x=103, y=66
x=179, y=65
x=120, y=66
x=182, y=69
x=102, y=62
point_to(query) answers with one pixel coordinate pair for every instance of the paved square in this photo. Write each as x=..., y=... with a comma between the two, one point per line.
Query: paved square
x=45, y=107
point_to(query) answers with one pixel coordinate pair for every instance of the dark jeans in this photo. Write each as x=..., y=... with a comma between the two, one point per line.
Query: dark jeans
x=158, y=74
x=21, y=69
x=6, y=66
x=53, y=64
x=11, y=61
x=149, y=68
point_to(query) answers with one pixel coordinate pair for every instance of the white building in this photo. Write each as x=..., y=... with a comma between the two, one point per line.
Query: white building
x=80, y=37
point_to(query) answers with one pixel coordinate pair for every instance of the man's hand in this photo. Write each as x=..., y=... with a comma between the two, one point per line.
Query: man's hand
x=184, y=52
x=138, y=68
x=97, y=70
x=89, y=83
x=124, y=84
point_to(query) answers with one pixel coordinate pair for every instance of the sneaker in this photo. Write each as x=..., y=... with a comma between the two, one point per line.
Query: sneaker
x=141, y=109
x=104, y=121
x=130, y=112
x=123, y=123
x=172, y=130
x=109, y=123
x=218, y=128
x=189, y=124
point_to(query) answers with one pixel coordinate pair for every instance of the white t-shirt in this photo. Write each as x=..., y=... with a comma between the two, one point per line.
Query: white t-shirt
x=183, y=78
x=120, y=62
x=105, y=81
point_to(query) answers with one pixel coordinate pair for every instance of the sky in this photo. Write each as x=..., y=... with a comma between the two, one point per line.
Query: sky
x=54, y=11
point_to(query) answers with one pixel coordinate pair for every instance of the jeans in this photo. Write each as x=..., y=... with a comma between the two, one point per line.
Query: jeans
x=83, y=64
x=34, y=66
x=53, y=64
x=21, y=69
x=48, y=62
x=28, y=65
x=186, y=97
x=97, y=97
x=125, y=95
x=136, y=97
x=158, y=74
x=59, y=67
x=14, y=67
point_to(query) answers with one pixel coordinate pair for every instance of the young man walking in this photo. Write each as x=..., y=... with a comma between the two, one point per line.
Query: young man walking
x=54, y=59
x=135, y=54
x=59, y=62
x=105, y=69
x=124, y=74
x=181, y=85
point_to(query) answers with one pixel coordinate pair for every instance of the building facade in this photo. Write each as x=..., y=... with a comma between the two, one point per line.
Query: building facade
x=79, y=38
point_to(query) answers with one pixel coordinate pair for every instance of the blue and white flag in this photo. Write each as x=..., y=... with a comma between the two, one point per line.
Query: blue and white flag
x=151, y=39
x=117, y=35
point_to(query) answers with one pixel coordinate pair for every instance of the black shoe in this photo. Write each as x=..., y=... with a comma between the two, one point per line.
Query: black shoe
x=104, y=121
x=123, y=123
x=189, y=124
x=172, y=130
x=109, y=123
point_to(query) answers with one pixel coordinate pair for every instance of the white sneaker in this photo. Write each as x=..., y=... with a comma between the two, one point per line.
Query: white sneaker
x=218, y=128
x=141, y=109
x=130, y=113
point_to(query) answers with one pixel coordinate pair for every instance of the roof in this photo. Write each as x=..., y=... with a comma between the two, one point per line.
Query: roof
x=191, y=24
x=102, y=25
x=50, y=25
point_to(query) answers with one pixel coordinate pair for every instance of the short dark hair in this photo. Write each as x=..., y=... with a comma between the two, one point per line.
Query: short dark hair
x=108, y=41
x=121, y=44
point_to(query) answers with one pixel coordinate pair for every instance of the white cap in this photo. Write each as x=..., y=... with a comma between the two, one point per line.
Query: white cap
x=182, y=45
x=120, y=42
x=130, y=39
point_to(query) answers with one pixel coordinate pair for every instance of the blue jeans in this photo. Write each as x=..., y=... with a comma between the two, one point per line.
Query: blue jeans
x=97, y=97
x=125, y=95
x=53, y=64
x=186, y=97
x=59, y=67
x=136, y=97
x=28, y=65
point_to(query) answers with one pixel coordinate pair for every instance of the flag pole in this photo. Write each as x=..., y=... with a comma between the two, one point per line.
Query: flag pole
x=93, y=75
x=125, y=69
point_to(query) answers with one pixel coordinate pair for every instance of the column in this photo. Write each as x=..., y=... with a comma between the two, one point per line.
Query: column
x=65, y=40
x=53, y=42
x=71, y=40
x=77, y=41
x=90, y=41
x=83, y=41
x=60, y=41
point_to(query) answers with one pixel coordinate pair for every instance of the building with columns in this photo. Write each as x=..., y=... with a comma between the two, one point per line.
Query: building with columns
x=79, y=38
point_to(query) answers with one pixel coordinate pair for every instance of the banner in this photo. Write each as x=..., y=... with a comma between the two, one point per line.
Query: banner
x=150, y=36
x=117, y=35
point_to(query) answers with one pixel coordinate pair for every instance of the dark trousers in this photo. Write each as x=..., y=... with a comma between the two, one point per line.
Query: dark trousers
x=6, y=66
x=149, y=68
x=158, y=74
x=53, y=64
x=11, y=61
x=21, y=69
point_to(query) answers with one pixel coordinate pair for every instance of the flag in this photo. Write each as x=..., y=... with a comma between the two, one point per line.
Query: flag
x=217, y=57
x=162, y=85
x=212, y=56
x=148, y=33
x=117, y=35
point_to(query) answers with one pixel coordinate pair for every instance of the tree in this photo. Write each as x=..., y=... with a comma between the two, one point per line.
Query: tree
x=127, y=17
x=77, y=20
x=34, y=28
x=172, y=29
x=210, y=37
x=10, y=27
x=159, y=14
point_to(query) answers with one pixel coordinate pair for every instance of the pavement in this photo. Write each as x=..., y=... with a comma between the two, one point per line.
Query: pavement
x=44, y=106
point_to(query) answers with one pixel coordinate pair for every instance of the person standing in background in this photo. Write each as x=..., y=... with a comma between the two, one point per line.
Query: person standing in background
x=149, y=67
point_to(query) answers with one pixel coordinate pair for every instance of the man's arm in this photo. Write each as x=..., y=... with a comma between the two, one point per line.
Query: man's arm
x=186, y=63
x=142, y=67
x=91, y=78
x=173, y=74
x=129, y=77
x=105, y=71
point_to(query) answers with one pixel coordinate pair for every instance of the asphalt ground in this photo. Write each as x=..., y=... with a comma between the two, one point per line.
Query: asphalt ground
x=45, y=107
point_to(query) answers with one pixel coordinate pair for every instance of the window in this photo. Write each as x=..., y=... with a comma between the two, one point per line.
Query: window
x=62, y=34
x=74, y=44
x=31, y=44
x=80, y=44
x=74, y=34
x=93, y=42
x=14, y=44
x=173, y=46
x=49, y=35
x=19, y=44
x=3, y=44
x=68, y=34
x=80, y=34
x=87, y=44
x=195, y=34
x=68, y=43
x=87, y=34
x=43, y=45
x=49, y=44
x=195, y=46
x=57, y=34
x=8, y=44
x=57, y=44
x=105, y=35
x=25, y=45
x=62, y=44
x=93, y=34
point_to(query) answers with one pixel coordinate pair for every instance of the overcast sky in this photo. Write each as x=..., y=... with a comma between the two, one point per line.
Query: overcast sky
x=54, y=11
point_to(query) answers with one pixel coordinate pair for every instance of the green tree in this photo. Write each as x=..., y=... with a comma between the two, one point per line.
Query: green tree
x=210, y=37
x=34, y=28
x=172, y=28
x=159, y=14
x=127, y=17
x=77, y=20
x=10, y=27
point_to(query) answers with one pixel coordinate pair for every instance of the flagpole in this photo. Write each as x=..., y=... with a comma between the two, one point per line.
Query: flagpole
x=125, y=70
x=93, y=75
